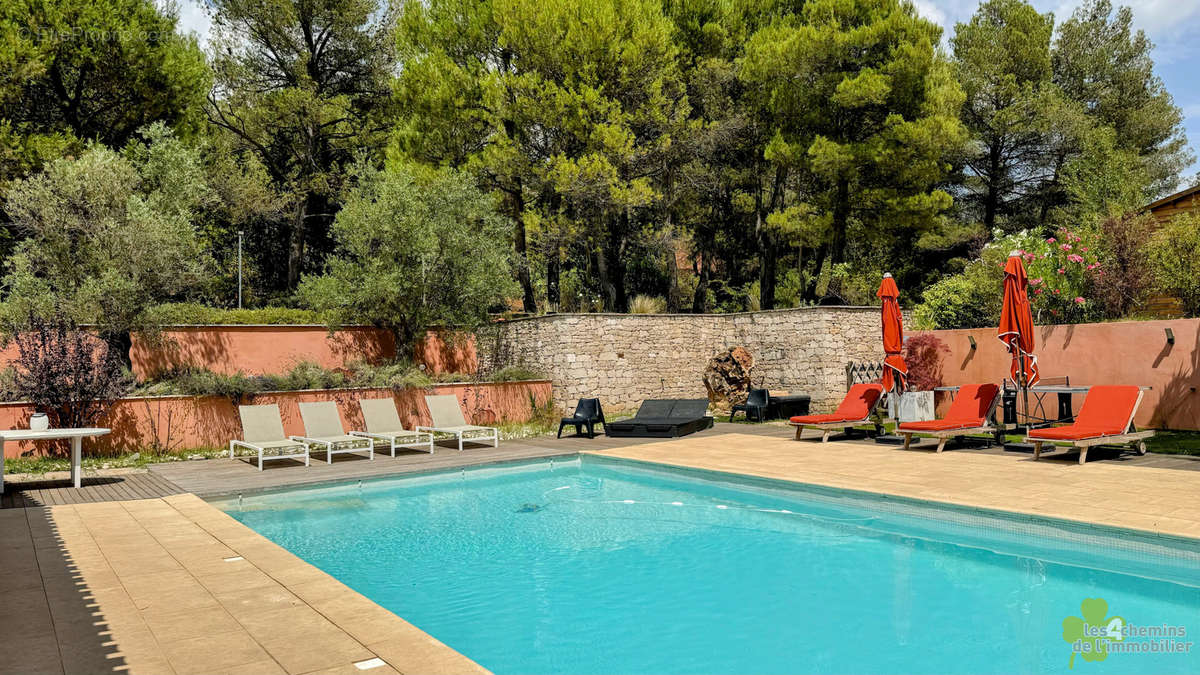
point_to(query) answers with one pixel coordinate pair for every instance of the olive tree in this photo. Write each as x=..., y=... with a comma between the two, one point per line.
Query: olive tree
x=414, y=250
x=108, y=235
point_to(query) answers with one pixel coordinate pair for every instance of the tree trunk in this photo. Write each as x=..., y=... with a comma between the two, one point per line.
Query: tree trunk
x=810, y=289
x=121, y=344
x=295, y=262
x=600, y=262
x=766, y=278
x=616, y=300
x=991, y=201
x=529, y=302
x=700, y=297
x=553, y=299
x=841, y=220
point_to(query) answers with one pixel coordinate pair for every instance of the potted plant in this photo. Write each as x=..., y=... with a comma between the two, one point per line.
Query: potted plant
x=923, y=353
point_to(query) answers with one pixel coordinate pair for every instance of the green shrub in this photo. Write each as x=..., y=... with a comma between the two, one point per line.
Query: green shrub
x=307, y=375
x=191, y=313
x=1174, y=257
x=399, y=375
x=202, y=382
x=967, y=300
x=515, y=374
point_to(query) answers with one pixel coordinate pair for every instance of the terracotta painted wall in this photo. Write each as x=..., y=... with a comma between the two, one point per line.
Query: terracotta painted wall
x=447, y=352
x=181, y=422
x=264, y=350
x=1133, y=352
x=258, y=350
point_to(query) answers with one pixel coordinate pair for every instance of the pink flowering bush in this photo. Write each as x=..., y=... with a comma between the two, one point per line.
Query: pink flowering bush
x=1063, y=272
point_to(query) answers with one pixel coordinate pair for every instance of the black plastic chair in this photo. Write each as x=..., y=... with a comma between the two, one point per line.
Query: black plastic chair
x=755, y=406
x=587, y=414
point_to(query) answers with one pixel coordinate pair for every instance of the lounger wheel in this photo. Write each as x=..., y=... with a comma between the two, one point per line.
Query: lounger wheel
x=1141, y=447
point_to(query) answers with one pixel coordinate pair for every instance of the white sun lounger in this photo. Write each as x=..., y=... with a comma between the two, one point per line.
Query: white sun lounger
x=323, y=426
x=262, y=432
x=448, y=419
x=383, y=424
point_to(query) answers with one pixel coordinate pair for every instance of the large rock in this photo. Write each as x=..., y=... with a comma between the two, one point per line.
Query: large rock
x=727, y=377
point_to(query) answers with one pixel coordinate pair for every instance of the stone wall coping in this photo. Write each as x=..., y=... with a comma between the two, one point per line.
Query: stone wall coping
x=680, y=315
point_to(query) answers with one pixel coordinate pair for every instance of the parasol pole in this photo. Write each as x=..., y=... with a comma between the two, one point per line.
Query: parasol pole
x=1025, y=391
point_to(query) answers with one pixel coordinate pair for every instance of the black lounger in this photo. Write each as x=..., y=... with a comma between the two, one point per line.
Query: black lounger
x=664, y=418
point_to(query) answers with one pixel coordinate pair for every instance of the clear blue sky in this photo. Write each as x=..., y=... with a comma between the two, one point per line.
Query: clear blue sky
x=1173, y=26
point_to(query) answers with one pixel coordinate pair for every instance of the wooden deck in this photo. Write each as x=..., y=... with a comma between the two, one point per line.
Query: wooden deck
x=93, y=489
x=214, y=477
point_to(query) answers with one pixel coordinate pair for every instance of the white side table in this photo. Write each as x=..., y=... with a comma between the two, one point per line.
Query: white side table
x=76, y=436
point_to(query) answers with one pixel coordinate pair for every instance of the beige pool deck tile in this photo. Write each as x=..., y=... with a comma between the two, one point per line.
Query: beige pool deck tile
x=210, y=653
x=144, y=587
x=170, y=626
x=322, y=644
x=424, y=656
x=110, y=588
x=250, y=601
x=234, y=577
x=1144, y=498
x=268, y=667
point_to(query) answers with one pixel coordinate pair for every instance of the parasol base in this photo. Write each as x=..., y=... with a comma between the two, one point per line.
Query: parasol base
x=889, y=439
x=1019, y=447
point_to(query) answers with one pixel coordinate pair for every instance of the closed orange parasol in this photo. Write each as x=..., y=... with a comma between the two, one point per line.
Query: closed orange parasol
x=895, y=370
x=1016, y=324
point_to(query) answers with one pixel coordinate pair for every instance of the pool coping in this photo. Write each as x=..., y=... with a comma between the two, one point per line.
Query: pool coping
x=772, y=482
x=748, y=463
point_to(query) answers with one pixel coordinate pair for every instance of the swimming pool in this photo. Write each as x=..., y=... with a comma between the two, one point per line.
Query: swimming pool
x=596, y=565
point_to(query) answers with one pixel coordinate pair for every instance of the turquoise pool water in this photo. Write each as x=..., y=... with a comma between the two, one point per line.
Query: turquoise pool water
x=604, y=566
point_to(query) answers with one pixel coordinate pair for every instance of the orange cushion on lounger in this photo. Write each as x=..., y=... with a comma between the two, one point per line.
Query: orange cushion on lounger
x=856, y=406
x=817, y=419
x=971, y=405
x=1106, y=411
x=1071, y=432
x=973, y=402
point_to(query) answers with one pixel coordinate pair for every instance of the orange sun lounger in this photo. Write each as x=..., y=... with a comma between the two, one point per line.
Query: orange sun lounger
x=970, y=413
x=1105, y=418
x=855, y=409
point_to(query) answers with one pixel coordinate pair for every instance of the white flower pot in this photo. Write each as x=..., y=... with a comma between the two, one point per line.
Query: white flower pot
x=39, y=422
x=913, y=406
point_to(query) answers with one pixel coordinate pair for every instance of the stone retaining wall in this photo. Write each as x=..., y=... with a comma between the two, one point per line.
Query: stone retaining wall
x=625, y=358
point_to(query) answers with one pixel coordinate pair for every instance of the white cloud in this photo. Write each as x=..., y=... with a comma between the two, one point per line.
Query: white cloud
x=194, y=19
x=930, y=11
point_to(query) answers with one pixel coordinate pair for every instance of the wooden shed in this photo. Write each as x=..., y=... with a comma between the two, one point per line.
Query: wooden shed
x=1185, y=201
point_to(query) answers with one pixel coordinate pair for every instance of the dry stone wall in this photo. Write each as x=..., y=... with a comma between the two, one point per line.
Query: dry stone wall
x=626, y=358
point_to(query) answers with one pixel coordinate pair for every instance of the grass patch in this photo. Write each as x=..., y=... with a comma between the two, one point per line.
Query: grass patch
x=1175, y=443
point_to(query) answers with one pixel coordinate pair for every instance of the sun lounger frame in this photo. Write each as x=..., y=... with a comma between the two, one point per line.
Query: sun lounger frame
x=944, y=435
x=261, y=446
x=424, y=439
x=330, y=443
x=1130, y=435
x=828, y=428
x=457, y=430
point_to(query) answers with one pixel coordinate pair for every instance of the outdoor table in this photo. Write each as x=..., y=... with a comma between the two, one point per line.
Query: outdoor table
x=1066, y=411
x=786, y=406
x=76, y=436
